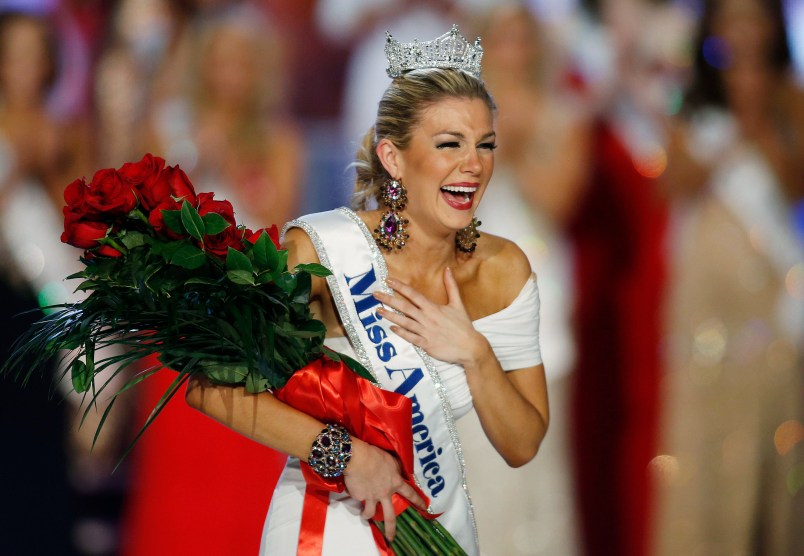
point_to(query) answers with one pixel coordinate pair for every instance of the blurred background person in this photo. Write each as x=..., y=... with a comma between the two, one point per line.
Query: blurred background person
x=617, y=233
x=540, y=170
x=228, y=126
x=224, y=122
x=732, y=425
x=41, y=146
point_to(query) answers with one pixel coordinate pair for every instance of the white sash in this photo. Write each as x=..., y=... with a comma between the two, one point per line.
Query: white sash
x=345, y=246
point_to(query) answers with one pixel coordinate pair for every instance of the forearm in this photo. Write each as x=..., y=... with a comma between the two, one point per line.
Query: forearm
x=514, y=423
x=260, y=417
x=371, y=476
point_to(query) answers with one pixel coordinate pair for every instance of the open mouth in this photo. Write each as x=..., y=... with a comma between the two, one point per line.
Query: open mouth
x=459, y=196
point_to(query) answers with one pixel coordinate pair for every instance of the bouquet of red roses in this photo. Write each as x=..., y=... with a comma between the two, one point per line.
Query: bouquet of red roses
x=169, y=272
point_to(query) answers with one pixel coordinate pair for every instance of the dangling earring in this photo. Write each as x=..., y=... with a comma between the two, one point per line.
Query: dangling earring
x=391, y=232
x=466, y=238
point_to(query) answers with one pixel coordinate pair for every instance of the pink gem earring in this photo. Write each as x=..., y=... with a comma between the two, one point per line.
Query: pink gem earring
x=391, y=233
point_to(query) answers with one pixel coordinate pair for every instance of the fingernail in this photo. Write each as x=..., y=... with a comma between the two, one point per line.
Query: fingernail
x=390, y=281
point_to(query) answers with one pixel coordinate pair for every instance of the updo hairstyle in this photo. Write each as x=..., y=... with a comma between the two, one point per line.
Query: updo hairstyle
x=399, y=111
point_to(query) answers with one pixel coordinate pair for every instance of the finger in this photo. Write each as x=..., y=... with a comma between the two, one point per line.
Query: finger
x=400, y=303
x=453, y=292
x=413, y=497
x=389, y=517
x=401, y=320
x=410, y=292
x=369, y=509
x=414, y=339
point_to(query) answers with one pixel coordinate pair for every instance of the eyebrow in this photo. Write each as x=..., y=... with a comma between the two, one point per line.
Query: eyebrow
x=460, y=135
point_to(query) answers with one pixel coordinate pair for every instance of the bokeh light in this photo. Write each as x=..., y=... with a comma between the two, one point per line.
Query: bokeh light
x=787, y=436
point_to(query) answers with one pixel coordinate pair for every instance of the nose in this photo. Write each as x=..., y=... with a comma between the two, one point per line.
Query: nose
x=472, y=163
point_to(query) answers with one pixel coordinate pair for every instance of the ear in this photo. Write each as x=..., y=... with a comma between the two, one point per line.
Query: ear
x=390, y=157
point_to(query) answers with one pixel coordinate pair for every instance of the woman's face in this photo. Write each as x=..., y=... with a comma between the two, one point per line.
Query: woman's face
x=231, y=67
x=747, y=29
x=448, y=163
x=24, y=63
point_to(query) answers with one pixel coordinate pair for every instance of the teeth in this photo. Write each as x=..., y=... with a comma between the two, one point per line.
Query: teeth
x=459, y=189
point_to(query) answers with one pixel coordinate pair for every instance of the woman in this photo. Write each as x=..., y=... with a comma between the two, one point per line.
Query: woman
x=230, y=117
x=228, y=126
x=405, y=316
x=732, y=394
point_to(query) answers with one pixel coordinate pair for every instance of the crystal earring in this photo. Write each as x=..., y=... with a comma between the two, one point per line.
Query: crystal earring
x=391, y=233
x=466, y=238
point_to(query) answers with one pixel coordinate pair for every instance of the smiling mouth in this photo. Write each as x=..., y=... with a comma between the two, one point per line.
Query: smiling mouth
x=459, y=196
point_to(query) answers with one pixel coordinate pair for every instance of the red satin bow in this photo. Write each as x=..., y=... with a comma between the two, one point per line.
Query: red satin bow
x=333, y=393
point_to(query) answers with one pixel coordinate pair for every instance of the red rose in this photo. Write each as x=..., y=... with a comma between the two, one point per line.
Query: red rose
x=108, y=194
x=157, y=220
x=142, y=175
x=273, y=234
x=107, y=251
x=170, y=182
x=74, y=193
x=207, y=204
x=219, y=243
x=82, y=233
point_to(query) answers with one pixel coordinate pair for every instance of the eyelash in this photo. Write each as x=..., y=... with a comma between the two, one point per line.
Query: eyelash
x=455, y=144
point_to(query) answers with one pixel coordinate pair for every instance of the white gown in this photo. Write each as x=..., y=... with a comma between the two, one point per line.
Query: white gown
x=514, y=336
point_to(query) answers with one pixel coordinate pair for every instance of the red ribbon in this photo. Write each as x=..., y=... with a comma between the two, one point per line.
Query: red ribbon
x=333, y=393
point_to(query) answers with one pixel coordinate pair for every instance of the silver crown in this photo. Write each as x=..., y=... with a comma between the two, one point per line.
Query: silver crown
x=450, y=50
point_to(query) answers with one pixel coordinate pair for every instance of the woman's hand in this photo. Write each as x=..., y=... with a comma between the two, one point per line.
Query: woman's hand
x=372, y=477
x=443, y=331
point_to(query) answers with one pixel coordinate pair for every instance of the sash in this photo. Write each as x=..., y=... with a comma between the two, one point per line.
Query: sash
x=345, y=246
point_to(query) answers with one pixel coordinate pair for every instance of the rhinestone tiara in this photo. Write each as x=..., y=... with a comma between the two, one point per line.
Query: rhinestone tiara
x=450, y=50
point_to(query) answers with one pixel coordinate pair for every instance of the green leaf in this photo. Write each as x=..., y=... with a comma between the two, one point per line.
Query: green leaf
x=87, y=285
x=81, y=379
x=235, y=260
x=188, y=256
x=192, y=221
x=166, y=249
x=265, y=254
x=214, y=223
x=172, y=219
x=242, y=277
x=225, y=374
x=313, y=268
x=202, y=280
x=282, y=263
x=256, y=383
x=133, y=239
x=286, y=281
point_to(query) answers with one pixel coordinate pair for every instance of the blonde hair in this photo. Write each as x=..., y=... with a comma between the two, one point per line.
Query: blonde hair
x=399, y=112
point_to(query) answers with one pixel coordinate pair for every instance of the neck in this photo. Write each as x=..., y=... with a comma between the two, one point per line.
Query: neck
x=425, y=255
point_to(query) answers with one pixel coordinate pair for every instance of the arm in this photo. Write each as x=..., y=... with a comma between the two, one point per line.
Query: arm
x=372, y=476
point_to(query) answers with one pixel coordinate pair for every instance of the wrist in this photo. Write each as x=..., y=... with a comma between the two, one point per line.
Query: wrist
x=478, y=354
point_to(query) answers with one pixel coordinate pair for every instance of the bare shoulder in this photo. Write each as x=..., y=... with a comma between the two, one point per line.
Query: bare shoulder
x=300, y=247
x=502, y=265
